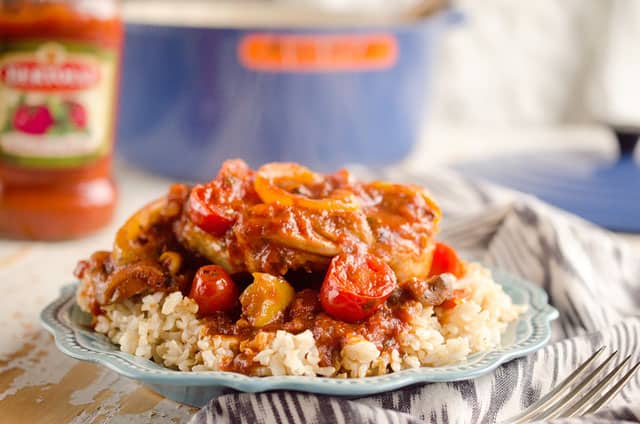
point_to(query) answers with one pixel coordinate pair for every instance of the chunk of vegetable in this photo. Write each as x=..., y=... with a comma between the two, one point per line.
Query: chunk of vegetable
x=266, y=299
x=144, y=235
x=214, y=206
x=131, y=244
x=171, y=261
x=355, y=286
x=286, y=183
x=431, y=291
x=445, y=260
x=213, y=218
x=130, y=280
x=213, y=290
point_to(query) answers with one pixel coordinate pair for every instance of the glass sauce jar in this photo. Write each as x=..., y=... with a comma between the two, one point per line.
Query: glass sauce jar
x=59, y=74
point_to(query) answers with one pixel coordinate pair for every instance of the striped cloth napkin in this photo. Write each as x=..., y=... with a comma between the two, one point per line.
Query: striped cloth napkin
x=591, y=277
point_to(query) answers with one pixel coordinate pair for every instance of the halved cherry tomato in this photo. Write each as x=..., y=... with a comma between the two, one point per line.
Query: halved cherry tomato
x=213, y=290
x=211, y=217
x=214, y=206
x=445, y=260
x=355, y=286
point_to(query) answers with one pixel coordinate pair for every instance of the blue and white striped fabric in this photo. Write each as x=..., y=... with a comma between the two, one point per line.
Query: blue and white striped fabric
x=592, y=278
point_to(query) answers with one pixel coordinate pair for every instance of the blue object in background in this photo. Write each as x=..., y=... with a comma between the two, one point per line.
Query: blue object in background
x=602, y=190
x=187, y=103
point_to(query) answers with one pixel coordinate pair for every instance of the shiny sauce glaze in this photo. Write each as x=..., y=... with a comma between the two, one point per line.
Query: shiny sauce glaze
x=292, y=224
x=382, y=329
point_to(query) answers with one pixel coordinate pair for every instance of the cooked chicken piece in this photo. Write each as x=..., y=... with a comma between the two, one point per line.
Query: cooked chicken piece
x=215, y=249
x=404, y=221
x=307, y=219
x=282, y=217
x=276, y=238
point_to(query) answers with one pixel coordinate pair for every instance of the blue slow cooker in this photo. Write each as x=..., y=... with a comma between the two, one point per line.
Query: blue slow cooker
x=193, y=95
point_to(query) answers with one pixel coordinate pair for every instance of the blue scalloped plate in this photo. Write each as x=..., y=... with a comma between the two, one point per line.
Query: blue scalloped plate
x=68, y=324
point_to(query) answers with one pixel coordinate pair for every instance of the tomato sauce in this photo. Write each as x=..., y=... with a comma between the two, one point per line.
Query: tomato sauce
x=383, y=329
x=309, y=250
x=59, y=73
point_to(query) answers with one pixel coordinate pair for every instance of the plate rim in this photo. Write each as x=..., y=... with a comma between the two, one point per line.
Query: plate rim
x=539, y=315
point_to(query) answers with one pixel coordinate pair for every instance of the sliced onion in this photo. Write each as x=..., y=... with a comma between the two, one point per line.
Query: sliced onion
x=412, y=190
x=272, y=177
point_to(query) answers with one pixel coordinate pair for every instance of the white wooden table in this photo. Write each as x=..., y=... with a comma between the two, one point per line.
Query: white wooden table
x=38, y=384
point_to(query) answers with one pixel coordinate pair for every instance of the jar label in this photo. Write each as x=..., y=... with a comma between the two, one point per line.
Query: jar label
x=56, y=103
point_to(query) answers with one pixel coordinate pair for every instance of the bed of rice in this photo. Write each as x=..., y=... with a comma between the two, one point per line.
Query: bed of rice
x=165, y=328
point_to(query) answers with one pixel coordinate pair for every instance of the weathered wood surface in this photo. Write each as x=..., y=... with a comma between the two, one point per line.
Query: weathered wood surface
x=38, y=383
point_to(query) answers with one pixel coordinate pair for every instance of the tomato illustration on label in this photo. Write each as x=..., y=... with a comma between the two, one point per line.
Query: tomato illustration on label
x=32, y=119
x=77, y=114
x=55, y=103
x=54, y=117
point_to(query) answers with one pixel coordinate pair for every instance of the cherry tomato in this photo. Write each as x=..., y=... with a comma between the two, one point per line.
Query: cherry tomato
x=213, y=290
x=214, y=206
x=445, y=260
x=211, y=217
x=355, y=286
x=34, y=120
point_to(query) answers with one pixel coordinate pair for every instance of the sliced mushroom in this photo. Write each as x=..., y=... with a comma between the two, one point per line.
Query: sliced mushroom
x=132, y=280
x=431, y=291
